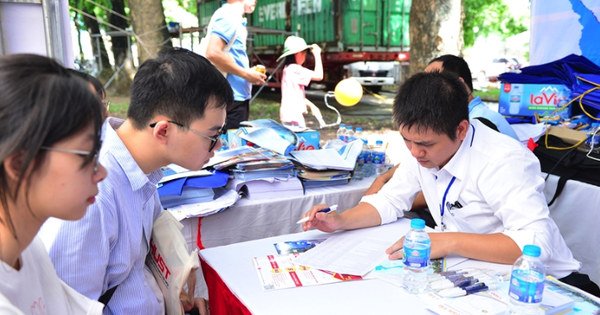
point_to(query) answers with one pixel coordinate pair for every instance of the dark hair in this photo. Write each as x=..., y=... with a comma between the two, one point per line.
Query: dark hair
x=432, y=101
x=100, y=92
x=40, y=104
x=92, y=80
x=178, y=84
x=289, y=60
x=458, y=66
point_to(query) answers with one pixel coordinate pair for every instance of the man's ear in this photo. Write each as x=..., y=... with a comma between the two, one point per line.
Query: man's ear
x=12, y=165
x=466, y=86
x=463, y=128
x=161, y=131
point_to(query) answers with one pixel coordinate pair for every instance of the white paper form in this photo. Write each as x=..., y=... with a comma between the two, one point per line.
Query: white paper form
x=344, y=253
x=330, y=158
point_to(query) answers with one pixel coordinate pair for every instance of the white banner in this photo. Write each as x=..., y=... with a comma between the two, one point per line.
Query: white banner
x=563, y=27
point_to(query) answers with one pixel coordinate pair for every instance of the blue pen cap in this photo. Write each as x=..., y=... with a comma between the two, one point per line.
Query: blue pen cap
x=532, y=251
x=417, y=224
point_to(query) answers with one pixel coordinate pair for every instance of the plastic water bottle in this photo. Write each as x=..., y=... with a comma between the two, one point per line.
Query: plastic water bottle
x=515, y=100
x=369, y=168
x=349, y=134
x=359, y=170
x=379, y=158
x=341, y=132
x=593, y=140
x=527, y=283
x=358, y=134
x=417, y=250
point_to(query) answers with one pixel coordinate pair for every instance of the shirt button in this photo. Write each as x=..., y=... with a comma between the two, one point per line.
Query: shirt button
x=145, y=283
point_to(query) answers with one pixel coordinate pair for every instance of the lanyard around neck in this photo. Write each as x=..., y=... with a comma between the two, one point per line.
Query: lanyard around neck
x=443, y=205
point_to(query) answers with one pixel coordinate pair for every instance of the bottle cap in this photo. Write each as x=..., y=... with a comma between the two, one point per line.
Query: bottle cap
x=379, y=142
x=358, y=128
x=349, y=127
x=342, y=125
x=417, y=224
x=532, y=251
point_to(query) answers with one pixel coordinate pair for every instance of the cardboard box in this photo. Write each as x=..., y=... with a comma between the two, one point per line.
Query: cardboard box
x=528, y=99
x=309, y=140
x=569, y=136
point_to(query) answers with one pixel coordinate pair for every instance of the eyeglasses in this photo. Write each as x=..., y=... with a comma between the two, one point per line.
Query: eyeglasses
x=213, y=139
x=78, y=152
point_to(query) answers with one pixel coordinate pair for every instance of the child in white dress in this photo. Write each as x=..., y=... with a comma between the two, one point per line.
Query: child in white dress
x=295, y=79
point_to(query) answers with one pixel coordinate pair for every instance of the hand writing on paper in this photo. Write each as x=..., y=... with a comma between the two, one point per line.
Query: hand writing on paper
x=326, y=222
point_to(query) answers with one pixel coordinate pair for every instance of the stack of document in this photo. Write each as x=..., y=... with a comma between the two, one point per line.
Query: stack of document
x=267, y=188
x=328, y=166
x=258, y=173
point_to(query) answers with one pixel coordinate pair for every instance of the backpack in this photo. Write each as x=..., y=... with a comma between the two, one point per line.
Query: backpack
x=567, y=164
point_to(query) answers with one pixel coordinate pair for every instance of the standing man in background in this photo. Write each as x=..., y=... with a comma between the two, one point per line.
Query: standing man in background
x=228, y=23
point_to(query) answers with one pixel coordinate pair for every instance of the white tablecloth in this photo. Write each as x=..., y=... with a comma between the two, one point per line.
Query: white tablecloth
x=255, y=219
x=250, y=220
x=234, y=265
x=577, y=213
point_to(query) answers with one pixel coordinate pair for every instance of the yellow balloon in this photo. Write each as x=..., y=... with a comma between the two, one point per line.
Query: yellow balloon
x=348, y=92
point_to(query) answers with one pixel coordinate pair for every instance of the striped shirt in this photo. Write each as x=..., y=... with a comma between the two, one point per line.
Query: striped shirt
x=108, y=246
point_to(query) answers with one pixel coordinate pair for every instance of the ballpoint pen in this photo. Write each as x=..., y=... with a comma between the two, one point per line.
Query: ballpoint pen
x=326, y=210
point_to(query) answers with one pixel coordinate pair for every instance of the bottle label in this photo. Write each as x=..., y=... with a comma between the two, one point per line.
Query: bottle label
x=417, y=255
x=379, y=158
x=526, y=286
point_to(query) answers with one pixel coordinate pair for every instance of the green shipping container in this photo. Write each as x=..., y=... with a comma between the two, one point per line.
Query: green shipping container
x=341, y=25
x=344, y=25
x=205, y=12
x=270, y=14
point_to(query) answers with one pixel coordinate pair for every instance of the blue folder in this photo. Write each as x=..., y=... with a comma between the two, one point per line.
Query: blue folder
x=175, y=187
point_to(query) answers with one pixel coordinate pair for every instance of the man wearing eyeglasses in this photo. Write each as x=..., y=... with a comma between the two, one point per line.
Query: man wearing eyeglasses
x=176, y=115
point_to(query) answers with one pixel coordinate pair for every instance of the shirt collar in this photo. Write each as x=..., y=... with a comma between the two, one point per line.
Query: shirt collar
x=476, y=101
x=115, y=146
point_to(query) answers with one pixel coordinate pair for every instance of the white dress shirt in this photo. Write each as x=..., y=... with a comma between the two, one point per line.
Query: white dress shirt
x=499, y=185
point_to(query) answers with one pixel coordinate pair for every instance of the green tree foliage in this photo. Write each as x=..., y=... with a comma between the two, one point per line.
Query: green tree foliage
x=485, y=17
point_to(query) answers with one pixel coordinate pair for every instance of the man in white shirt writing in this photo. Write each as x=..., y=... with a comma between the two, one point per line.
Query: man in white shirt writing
x=484, y=190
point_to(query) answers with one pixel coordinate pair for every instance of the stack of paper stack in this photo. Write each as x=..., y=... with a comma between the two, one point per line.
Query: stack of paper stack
x=258, y=173
x=327, y=167
x=189, y=194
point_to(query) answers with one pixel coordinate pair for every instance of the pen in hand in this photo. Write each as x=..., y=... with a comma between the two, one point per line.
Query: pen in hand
x=326, y=210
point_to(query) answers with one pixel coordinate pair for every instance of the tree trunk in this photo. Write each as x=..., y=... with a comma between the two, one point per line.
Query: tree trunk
x=120, y=47
x=148, y=21
x=435, y=29
x=93, y=28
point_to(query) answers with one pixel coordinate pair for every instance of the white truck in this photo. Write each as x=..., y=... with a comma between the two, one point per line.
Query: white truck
x=374, y=74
